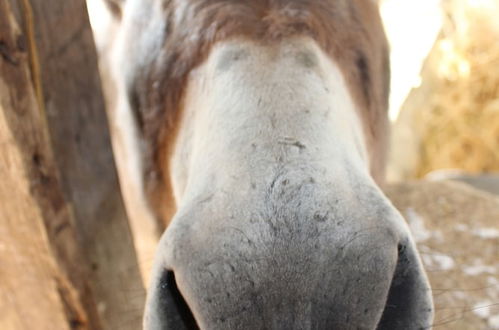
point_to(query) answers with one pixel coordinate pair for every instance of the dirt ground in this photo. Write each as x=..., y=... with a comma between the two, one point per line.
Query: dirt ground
x=456, y=228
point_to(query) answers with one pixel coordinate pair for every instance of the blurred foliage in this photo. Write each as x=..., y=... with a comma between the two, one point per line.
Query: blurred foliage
x=461, y=115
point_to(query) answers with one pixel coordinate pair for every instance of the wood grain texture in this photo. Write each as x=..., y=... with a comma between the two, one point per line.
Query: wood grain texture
x=43, y=272
x=79, y=133
x=62, y=210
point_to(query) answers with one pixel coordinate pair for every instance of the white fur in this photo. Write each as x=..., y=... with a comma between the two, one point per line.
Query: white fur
x=255, y=114
x=270, y=135
x=268, y=98
x=122, y=65
x=261, y=99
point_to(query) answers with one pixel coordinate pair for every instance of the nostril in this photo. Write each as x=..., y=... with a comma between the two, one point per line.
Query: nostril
x=172, y=312
x=409, y=304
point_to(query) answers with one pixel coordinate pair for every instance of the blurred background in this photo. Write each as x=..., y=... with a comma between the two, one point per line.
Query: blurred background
x=444, y=110
x=445, y=87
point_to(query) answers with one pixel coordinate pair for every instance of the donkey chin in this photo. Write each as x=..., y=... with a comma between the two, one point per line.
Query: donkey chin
x=280, y=224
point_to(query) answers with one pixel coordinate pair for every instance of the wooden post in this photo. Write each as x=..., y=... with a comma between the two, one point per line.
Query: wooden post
x=42, y=270
x=67, y=260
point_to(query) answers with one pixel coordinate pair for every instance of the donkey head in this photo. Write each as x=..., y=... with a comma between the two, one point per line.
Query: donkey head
x=263, y=123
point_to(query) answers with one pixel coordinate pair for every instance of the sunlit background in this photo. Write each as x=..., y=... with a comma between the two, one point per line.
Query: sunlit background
x=412, y=28
x=445, y=87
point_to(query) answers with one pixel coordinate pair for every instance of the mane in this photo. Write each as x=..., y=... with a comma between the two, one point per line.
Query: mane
x=349, y=31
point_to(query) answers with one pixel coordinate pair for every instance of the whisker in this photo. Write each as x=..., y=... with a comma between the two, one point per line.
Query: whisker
x=456, y=317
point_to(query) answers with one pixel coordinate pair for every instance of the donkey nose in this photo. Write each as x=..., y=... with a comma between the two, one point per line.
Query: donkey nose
x=349, y=284
x=409, y=304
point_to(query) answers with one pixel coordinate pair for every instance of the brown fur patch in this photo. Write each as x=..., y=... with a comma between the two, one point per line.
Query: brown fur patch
x=350, y=31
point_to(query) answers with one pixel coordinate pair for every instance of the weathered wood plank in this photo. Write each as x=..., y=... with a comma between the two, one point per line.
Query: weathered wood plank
x=66, y=217
x=42, y=273
x=74, y=106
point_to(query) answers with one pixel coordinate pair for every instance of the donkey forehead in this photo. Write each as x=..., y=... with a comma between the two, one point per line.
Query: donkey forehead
x=164, y=41
x=349, y=31
x=297, y=50
x=177, y=36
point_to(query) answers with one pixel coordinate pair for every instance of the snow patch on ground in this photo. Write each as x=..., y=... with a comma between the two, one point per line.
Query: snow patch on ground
x=438, y=261
x=482, y=309
x=486, y=233
x=477, y=269
x=493, y=322
x=416, y=224
x=492, y=281
x=460, y=295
